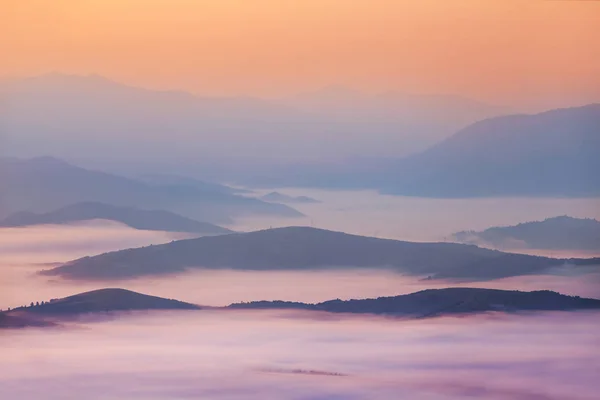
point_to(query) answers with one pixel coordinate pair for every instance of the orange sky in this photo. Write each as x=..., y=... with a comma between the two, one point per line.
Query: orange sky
x=505, y=51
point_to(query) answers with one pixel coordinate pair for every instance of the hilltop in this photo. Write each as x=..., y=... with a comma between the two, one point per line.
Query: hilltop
x=557, y=233
x=105, y=300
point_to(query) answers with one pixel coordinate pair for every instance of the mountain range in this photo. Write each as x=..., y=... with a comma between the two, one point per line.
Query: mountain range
x=154, y=220
x=550, y=154
x=82, y=117
x=423, y=304
x=42, y=185
x=413, y=145
x=299, y=248
x=437, y=302
x=558, y=233
x=555, y=153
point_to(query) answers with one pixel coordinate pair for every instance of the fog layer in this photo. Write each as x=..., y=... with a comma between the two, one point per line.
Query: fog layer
x=261, y=355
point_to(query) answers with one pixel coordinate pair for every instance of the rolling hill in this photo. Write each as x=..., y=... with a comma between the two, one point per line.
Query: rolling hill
x=49, y=313
x=156, y=220
x=558, y=233
x=296, y=248
x=437, y=302
x=105, y=300
x=424, y=304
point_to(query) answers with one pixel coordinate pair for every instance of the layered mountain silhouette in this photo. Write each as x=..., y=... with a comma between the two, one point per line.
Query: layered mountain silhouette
x=558, y=233
x=277, y=197
x=44, y=184
x=297, y=248
x=438, y=302
x=84, y=116
x=154, y=220
x=555, y=153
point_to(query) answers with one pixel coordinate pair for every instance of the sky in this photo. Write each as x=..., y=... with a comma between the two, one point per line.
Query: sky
x=517, y=52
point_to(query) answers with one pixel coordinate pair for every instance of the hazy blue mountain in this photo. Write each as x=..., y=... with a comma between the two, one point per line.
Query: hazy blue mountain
x=556, y=153
x=44, y=184
x=307, y=248
x=438, y=302
x=277, y=197
x=91, y=117
x=154, y=220
x=558, y=233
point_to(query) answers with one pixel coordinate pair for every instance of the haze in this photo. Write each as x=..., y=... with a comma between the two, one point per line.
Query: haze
x=537, y=54
x=271, y=355
x=299, y=200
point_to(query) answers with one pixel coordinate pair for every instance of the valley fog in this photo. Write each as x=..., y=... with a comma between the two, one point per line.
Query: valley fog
x=25, y=251
x=289, y=355
x=370, y=213
x=232, y=355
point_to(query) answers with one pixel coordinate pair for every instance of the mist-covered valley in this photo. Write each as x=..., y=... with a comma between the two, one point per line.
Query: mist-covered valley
x=296, y=355
x=310, y=200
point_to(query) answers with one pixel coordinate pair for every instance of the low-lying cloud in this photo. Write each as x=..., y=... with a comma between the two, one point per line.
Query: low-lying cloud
x=229, y=355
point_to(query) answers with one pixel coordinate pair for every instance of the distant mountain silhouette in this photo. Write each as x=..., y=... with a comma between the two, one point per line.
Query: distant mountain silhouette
x=277, y=197
x=423, y=304
x=556, y=153
x=558, y=233
x=44, y=184
x=307, y=248
x=155, y=220
x=439, y=302
x=94, y=117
